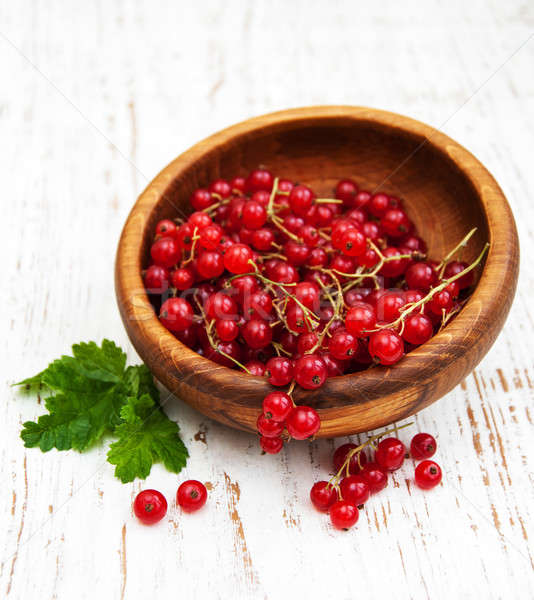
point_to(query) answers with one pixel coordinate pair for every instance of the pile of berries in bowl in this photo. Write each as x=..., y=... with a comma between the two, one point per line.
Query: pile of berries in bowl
x=266, y=277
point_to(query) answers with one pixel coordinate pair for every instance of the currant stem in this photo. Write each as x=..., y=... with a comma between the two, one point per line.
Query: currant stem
x=462, y=244
x=328, y=201
x=434, y=291
x=358, y=449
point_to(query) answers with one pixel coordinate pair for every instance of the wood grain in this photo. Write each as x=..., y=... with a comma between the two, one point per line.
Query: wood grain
x=447, y=192
x=188, y=69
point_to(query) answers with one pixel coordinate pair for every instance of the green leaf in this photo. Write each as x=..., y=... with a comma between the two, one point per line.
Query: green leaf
x=74, y=421
x=91, y=393
x=105, y=363
x=146, y=436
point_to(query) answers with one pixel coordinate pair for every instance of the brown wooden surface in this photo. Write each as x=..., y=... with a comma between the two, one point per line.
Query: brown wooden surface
x=447, y=191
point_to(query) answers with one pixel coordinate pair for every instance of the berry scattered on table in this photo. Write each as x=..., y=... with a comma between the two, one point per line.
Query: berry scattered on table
x=150, y=506
x=191, y=495
x=355, y=480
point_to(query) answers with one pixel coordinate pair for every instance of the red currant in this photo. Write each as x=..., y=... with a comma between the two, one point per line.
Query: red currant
x=355, y=462
x=279, y=371
x=176, y=314
x=156, y=279
x=323, y=495
x=386, y=346
x=375, y=477
x=257, y=333
x=303, y=422
x=271, y=445
x=165, y=251
x=150, y=506
x=237, y=257
x=427, y=474
x=343, y=514
x=361, y=319
x=277, y=406
x=417, y=329
x=310, y=371
x=355, y=489
x=423, y=446
x=269, y=427
x=191, y=495
x=390, y=454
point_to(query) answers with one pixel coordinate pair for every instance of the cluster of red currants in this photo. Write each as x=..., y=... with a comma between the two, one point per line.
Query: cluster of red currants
x=150, y=506
x=356, y=478
x=267, y=277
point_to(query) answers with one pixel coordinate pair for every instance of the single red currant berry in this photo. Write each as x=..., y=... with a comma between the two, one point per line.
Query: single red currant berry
x=256, y=368
x=353, y=242
x=220, y=187
x=191, y=495
x=361, y=319
x=220, y=306
x=176, y=314
x=453, y=288
x=386, y=346
x=394, y=267
x=417, y=329
x=346, y=190
x=362, y=199
x=182, y=279
x=378, y=205
x=343, y=345
x=323, y=495
x=210, y=264
x=420, y=276
x=355, y=463
x=254, y=215
x=396, y=223
x=165, y=227
x=455, y=267
x=259, y=179
x=150, y=506
x=310, y=371
x=390, y=454
x=184, y=236
x=375, y=477
x=301, y=199
x=237, y=257
x=427, y=474
x=343, y=514
x=263, y=239
x=277, y=406
x=269, y=427
x=210, y=237
x=355, y=489
x=279, y=371
x=441, y=302
x=165, y=252
x=271, y=445
x=303, y=422
x=227, y=330
x=388, y=306
x=258, y=306
x=156, y=279
x=339, y=228
x=238, y=185
x=423, y=446
x=201, y=199
x=199, y=220
x=257, y=333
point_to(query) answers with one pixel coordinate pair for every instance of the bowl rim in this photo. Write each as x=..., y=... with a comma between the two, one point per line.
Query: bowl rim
x=496, y=283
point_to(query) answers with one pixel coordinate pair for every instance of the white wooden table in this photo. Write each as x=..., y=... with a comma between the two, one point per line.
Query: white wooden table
x=96, y=97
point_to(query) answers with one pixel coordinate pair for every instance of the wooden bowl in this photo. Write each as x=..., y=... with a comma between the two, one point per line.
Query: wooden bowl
x=447, y=191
